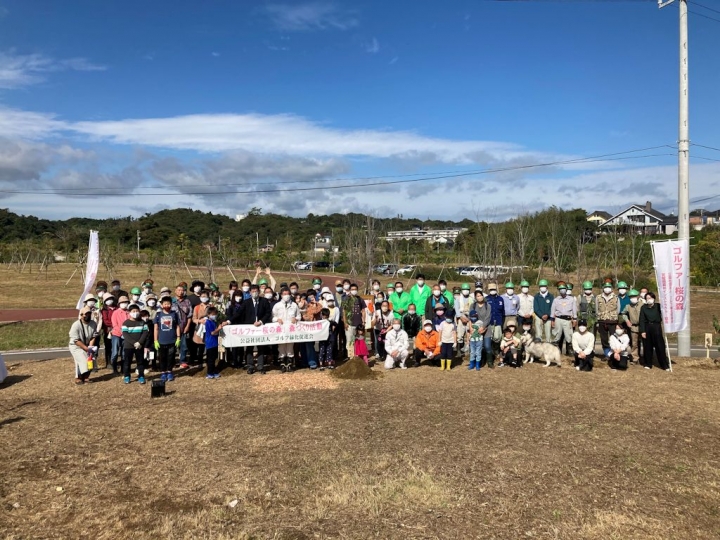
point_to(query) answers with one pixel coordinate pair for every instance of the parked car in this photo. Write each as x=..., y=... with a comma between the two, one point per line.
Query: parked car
x=469, y=271
x=304, y=266
x=380, y=268
x=409, y=269
x=390, y=270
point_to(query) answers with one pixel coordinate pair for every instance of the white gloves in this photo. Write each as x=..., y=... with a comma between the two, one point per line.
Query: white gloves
x=136, y=345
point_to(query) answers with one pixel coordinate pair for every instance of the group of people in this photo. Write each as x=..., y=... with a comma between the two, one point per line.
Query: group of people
x=401, y=328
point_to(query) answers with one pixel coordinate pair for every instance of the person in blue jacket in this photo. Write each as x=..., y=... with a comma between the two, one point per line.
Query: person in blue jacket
x=497, y=318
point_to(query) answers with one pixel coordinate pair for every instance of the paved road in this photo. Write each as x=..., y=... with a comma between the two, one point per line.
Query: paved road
x=51, y=354
x=8, y=315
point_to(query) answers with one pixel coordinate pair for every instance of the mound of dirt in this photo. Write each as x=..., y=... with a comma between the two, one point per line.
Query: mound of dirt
x=355, y=369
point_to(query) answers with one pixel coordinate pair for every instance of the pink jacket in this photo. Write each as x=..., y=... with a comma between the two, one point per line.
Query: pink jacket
x=119, y=316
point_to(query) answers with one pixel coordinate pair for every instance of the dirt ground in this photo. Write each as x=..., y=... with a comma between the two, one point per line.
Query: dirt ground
x=527, y=453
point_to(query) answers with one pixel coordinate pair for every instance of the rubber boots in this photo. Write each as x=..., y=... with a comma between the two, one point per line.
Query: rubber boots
x=471, y=365
x=442, y=364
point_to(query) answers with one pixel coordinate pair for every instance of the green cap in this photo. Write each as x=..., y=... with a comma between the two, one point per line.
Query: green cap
x=262, y=281
x=135, y=290
x=543, y=283
x=316, y=281
x=456, y=290
x=213, y=287
x=587, y=285
x=465, y=287
x=569, y=286
x=562, y=286
x=622, y=285
x=524, y=283
x=634, y=292
x=391, y=286
x=509, y=285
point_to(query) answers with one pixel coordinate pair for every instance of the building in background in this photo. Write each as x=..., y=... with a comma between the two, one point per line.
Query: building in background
x=642, y=219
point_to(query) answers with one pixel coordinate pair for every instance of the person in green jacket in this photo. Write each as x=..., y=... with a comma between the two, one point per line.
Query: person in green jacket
x=447, y=294
x=419, y=294
x=400, y=300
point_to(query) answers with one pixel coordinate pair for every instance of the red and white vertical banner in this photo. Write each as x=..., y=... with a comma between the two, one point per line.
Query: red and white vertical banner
x=93, y=261
x=672, y=271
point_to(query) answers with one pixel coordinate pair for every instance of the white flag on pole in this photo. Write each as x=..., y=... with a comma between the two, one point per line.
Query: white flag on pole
x=93, y=260
x=672, y=271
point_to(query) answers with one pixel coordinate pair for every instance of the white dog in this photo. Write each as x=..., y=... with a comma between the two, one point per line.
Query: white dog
x=542, y=351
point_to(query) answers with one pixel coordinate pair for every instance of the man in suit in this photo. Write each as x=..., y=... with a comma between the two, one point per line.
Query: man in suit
x=256, y=311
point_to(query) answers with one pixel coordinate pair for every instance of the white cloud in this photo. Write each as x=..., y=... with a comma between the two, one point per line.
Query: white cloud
x=310, y=16
x=18, y=70
x=215, y=54
x=373, y=47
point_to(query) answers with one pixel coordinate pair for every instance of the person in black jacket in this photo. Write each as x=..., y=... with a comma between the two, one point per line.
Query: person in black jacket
x=235, y=355
x=256, y=311
x=652, y=333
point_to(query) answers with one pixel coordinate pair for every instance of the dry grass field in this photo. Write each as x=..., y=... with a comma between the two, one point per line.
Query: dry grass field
x=528, y=453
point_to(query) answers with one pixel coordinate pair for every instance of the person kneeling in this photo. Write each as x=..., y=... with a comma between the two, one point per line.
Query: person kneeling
x=509, y=349
x=396, y=346
x=427, y=343
x=583, y=344
x=619, y=350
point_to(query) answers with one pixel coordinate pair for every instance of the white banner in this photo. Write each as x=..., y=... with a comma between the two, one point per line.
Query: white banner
x=672, y=271
x=245, y=335
x=93, y=260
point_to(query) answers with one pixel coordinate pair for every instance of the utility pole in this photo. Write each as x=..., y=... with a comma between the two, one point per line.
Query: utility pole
x=683, y=157
x=138, y=243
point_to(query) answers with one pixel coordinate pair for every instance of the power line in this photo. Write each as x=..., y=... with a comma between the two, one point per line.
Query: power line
x=592, y=159
x=705, y=158
x=706, y=147
x=704, y=6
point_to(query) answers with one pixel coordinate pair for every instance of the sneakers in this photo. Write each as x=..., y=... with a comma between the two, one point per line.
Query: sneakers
x=163, y=377
x=141, y=380
x=216, y=376
x=648, y=367
x=126, y=380
x=501, y=364
x=184, y=366
x=169, y=377
x=210, y=377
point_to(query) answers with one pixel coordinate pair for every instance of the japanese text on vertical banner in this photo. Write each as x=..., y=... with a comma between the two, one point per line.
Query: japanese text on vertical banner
x=673, y=279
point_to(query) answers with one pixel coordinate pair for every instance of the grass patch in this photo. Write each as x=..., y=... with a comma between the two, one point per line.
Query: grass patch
x=35, y=335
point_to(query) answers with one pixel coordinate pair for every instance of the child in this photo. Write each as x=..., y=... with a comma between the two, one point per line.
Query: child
x=198, y=318
x=212, y=330
x=149, y=353
x=361, y=350
x=474, y=341
x=134, y=335
x=167, y=337
x=326, y=347
x=509, y=348
x=448, y=341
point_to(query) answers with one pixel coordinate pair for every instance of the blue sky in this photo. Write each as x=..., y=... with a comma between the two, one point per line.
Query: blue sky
x=165, y=99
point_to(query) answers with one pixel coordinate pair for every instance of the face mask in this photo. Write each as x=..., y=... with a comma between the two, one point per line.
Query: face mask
x=398, y=290
x=109, y=302
x=411, y=313
x=124, y=305
x=466, y=293
x=316, y=286
x=134, y=314
x=420, y=282
x=212, y=317
x=268, y=296
x=428, y=329
x=622, y=291
x=443, y=288
x=255, y=295
x=588, y=292
x=650, y=301
x=619, y=332
x=563, y=292
x=396, y=327
x=607, y=290
x=436, y=294
x=135, y=297
x=448, y=319
x=633, y=301
x=543, y=290
x=376, y=287
x=524, y=290
x=493, y=292
x=346, y=287
x=510, y=292
x=90, y=303
x=440, y=313
x=245, y=288
x=152, y=303
x=197, y=290
x=582, y=328
x=238, y=298
x=286, y=298
x=526, y=328
x=385, y=310
x=204, y=299
x=339, y=288
x=353, y=292
x=379, y=298
x=293, y=291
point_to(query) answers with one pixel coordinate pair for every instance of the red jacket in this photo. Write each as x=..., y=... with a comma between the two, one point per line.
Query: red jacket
x=107, y=317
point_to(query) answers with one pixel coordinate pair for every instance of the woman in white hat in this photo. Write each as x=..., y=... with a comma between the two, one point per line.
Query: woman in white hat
x=83, y=335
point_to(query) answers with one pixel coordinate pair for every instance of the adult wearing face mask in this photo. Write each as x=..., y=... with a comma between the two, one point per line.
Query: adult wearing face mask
x=286, y=312
x=484, y=315
x=419, y=295
x=135, y=294
x=652, y=333
x=106, y=312
x=196, y=287
x=462, y=314
x=100, y=290
x=119, y=316
x=96, y=316
x=512, y=305
x=447, y=294
x=147, y=288
x=622, y=295
x=198, y=318
x=542, y=308
x=583, y=344
x=436, y=299
x=631, y=321
x=256, y=311
x=245, y=289
x=317, y=288
x=563, y=317
x=83, y=336
x=117, y=291
x=607, y=307
x=619, y=349
x=381, y=324
x=427, y=344
x=342, y=345
x=497, y=318
x=184, y=310
x=399, y=299
x=353, y=311
x=235, y=355
x=525, y=305
x=396, y=346
x=586, y=306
